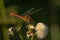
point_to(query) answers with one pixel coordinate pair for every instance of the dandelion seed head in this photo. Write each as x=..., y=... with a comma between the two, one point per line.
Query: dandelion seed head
x=41, y=30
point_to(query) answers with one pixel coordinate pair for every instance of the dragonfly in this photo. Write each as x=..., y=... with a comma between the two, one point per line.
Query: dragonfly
x=25, y=16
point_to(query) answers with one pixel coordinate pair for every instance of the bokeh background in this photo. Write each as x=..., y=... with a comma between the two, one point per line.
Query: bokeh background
x=50, y=15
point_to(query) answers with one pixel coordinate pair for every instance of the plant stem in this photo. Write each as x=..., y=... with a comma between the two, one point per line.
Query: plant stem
x=21, y=37
x=32, y=37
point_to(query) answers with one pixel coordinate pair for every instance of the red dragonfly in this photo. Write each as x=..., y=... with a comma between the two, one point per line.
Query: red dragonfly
x=25, y=15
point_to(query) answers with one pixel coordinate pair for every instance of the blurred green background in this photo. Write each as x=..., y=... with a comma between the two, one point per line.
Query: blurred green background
x=50, y=15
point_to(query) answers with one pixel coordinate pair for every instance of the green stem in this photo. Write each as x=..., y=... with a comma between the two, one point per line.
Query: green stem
x=21, y=37
x=32, y=37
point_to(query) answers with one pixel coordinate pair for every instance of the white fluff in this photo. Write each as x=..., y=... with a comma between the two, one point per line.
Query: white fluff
x=41, y=30
x=30, y=26
x=10, y=32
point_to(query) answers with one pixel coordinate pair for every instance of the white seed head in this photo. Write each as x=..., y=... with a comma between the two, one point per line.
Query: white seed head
x=41, y=30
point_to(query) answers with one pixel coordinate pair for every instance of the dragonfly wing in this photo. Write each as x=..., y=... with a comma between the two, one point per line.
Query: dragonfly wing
x=36, y=11
x=31, y=11
x=28, y=12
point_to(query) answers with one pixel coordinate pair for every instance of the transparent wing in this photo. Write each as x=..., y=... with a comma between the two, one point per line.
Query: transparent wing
x=28, y=11
x=31, y=11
